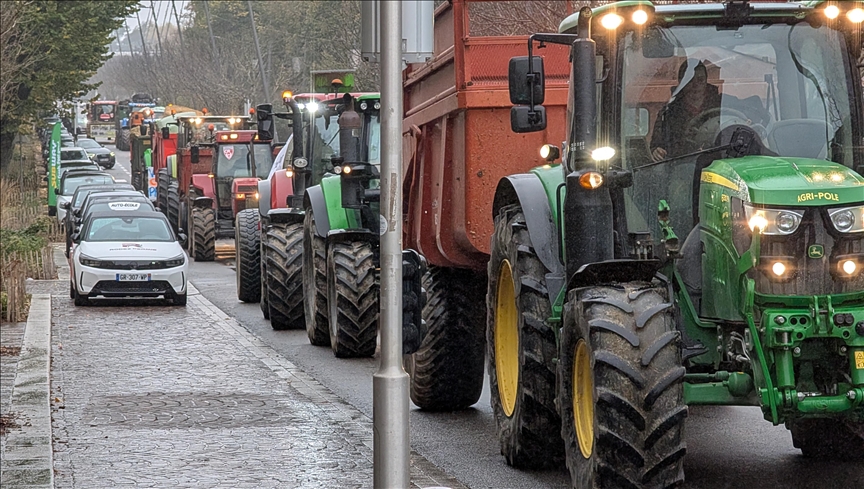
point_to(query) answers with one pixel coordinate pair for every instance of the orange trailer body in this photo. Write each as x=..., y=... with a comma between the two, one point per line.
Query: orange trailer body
x=457, y=142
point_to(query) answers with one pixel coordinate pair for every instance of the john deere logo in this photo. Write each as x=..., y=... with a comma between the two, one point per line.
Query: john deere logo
x=815, y=251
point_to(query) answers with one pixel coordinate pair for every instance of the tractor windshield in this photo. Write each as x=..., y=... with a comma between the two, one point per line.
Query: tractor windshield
x=235, y=161
x=687, y=88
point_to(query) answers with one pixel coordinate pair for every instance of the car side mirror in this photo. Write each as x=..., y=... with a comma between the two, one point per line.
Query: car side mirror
x=74, y=237
x=524, y=118
x=182, y=238
x=56, y=191
x=526, y=79
x=66, y=205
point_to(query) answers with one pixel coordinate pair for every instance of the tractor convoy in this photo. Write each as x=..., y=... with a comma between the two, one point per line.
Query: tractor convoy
x=658, y=206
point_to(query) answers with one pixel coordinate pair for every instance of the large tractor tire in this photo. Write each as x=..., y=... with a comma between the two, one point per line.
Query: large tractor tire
x=173, y=211
x=248, y=264
x=162, y=182
x=122, y=142
x=204, y=233
x=284, y=255
x=620, y=389
x=352, y=299
x=521, y=348
x=263, y=303
x=315, y=283
x=829, y=439
x=447, y=370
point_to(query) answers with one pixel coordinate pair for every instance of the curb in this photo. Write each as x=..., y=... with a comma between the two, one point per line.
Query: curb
x=28, y=458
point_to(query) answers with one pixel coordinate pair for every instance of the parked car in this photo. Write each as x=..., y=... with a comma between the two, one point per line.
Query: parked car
x=98, y=153
x=133, y=201
x=78, y=199
x=127, y=254
x=70, y=181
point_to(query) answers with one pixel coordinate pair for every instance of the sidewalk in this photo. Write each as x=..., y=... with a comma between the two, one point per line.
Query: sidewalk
x=162, y=396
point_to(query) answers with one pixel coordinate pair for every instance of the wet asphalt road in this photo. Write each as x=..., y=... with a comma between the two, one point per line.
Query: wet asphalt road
x=727, y=447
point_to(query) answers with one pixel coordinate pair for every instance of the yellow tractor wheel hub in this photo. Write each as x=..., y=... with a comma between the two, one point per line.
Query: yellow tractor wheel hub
x=507, y=339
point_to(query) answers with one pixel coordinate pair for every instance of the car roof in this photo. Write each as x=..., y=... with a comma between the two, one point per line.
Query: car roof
x=84, y=172
x=110, y=193
x=105, y=186
x=71, y=148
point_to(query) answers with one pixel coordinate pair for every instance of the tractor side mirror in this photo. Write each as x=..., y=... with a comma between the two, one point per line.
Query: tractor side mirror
x=166, y=133
x=194, y=154
x=144, y=128
x=526, y=78
x=524, y=118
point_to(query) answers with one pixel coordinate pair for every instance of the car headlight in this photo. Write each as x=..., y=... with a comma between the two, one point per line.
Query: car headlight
x=111, y=154
x=848, y=219
x=89, y=261
x=776, y=222
x=177, y=261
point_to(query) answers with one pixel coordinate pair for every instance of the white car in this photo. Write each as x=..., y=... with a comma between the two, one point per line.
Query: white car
x=70, y=181
x=125, y=254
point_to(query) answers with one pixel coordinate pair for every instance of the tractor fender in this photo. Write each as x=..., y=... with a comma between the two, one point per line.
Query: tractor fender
x=202, y=202
x=263, y=197
x=314, y=200
x=345, y=235
x=286, y=215
x=528, y=191
x=204, y=183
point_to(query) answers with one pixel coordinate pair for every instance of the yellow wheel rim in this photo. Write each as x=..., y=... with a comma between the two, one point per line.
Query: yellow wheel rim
x=506, y=339
x=583, y=399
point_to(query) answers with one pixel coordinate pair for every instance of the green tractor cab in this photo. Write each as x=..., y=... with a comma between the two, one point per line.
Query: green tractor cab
x=700, y=241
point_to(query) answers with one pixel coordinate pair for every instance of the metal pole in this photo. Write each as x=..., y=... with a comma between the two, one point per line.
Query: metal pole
x=390, y=382
x=128, y=38
x=119, y=46
x=264, y=82
x=179, y=30
x=156, y=23
x=210, y=30
x=141, y=33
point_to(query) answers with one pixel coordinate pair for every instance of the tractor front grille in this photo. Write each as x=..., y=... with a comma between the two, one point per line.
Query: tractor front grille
x=811, y=256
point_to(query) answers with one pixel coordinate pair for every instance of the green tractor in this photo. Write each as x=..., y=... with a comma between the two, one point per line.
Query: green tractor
x=340, y=255
x=698, y=255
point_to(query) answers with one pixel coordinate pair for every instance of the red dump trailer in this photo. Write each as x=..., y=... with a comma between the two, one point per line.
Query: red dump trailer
x=457, y=145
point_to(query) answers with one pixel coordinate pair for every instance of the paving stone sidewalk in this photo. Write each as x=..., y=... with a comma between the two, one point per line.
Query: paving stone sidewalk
x=174, y=397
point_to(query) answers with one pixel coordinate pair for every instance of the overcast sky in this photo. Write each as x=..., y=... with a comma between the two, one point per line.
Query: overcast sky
x=164, y=12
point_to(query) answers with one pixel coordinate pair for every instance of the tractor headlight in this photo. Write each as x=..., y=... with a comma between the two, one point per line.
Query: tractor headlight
x=848, y=219
x=773, y=222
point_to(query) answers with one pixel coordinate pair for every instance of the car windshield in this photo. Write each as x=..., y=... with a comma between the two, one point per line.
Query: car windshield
x=73, y=154
x=81, y=194
x=686, y=88
x=128, y=228
x=88, y=144
x=71, y=183
x=232, y=160
x=126, y=204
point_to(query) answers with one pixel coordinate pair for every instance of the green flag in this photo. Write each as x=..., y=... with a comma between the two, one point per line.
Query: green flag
x=53, y=168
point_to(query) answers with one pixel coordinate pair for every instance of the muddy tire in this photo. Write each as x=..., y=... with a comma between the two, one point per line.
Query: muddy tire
x=122, y=142
x=173, y=211
x=162, y=182
x=521, y=348
x=248, y=265
x=620, y=388
x=352, y=299
x=828, y=439
x=447, y=370
x=284, y=255
x=263, y=303
x=315, y=283
x=204, y=233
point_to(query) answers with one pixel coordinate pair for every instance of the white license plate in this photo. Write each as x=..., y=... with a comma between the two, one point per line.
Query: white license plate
x=133, y=277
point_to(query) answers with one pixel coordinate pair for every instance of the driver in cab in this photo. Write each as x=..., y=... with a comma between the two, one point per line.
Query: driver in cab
x=691, y=97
